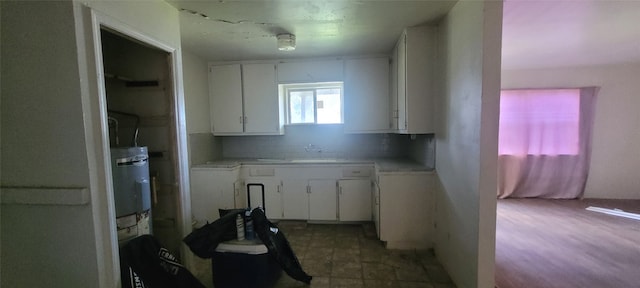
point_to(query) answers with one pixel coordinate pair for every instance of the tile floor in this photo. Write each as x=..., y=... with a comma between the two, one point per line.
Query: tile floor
x=350, y=256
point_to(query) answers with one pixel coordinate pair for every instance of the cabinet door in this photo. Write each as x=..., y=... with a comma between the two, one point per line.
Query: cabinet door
x=261, y=111
x=322, y=200
x=295, y=199
x=393, y=91
x=204, y=195
x=211, y=190
x=407, y=199
x=376, y=207
x=366, y=96
x=272, y=196
x=225, y=99
x=420, y=56
x=239, y=196
x=402, y=83
x=355, y=200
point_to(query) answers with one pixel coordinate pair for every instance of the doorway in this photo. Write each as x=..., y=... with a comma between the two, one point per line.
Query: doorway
x=140, y=102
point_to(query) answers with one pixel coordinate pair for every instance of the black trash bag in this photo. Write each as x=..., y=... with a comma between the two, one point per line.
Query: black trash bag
x=203, y=241
x=145, y=263
x=278, y=246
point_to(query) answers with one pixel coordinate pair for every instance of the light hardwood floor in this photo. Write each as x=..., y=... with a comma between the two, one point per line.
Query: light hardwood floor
x=557, y=243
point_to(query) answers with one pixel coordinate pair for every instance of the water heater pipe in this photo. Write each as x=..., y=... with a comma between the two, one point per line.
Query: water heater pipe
x=134, y=141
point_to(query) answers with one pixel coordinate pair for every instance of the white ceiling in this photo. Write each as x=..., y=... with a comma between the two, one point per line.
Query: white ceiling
x=246, y=30
x=545, y=34
x=536, y=33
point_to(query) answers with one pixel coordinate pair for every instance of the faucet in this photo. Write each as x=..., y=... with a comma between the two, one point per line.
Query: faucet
x=312, y=148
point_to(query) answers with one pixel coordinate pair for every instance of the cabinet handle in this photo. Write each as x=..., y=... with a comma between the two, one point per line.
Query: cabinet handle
x=246, y=119
x=240, y=119
x=340, y=190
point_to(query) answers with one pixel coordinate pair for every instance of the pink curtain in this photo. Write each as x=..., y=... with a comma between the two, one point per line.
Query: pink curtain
x=545, y=142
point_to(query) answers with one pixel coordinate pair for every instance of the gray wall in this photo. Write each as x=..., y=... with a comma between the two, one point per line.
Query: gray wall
x=329, y=142
x=43, y=145
x=466, y=142
x=56, y=230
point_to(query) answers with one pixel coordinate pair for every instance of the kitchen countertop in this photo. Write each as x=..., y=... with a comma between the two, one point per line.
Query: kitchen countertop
x=383, y=164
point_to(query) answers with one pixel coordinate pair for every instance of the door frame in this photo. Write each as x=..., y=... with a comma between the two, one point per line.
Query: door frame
x=97, y=136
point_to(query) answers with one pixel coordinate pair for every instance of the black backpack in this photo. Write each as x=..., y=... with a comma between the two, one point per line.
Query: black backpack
x=144, y=263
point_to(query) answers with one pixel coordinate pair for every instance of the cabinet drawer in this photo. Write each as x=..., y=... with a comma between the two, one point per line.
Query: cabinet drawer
x=262, y=171
x=361, y=171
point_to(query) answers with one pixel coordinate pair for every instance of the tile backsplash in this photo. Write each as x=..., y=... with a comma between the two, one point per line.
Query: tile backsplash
x=329, y=141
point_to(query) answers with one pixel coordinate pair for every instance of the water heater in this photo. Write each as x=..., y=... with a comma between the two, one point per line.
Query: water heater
x=132, y=191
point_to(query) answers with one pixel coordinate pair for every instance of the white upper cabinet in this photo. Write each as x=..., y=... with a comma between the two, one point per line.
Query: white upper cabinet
x=225, y=99
x=261, y=110
x=244, y=100
x=366, y=95
x=415, y=61
x=310, y=71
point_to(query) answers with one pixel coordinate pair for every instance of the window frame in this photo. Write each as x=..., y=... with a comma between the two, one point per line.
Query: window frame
x=315, y=86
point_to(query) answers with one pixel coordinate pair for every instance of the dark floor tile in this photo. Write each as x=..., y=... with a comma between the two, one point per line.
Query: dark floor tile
x=350, y=256
x=347, y=242
x=398, y=260
x=320, y=282
x=317, y=267
x=337, y=282
x=379, y=283
x=444, y=285
x=373, y=255
x=319, y=253
x=378, y=271
x=346, y=255
x=371, y=244
x=412, y=273
x=437, y=274
x=369, y=230
x=349, y=231
x=405, y=284
x=427, y=257
x=346, y=270
x=322, y=242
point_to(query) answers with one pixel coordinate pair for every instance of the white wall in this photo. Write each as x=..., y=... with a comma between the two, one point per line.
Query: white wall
x=196, y=93
x=43, y=145
x=50, y=144
x=203, y=146
x=615, y=156
x=466, y=141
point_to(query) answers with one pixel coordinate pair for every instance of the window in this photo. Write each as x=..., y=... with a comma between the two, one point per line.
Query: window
x=319, y=103
x=539, y=122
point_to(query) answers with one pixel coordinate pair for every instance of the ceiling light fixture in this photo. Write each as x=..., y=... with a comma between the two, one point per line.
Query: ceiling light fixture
x=286, y=42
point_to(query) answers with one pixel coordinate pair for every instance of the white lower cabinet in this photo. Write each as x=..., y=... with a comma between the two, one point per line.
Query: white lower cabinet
x=309, y=192
x=272, y=197
x=375, y=205
x=322, y=200
x=239, y=195
x=293, y=192
x=263, y=175
x=295, y=199
x=354, y=198
x=407, y=209
x=212, y=189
